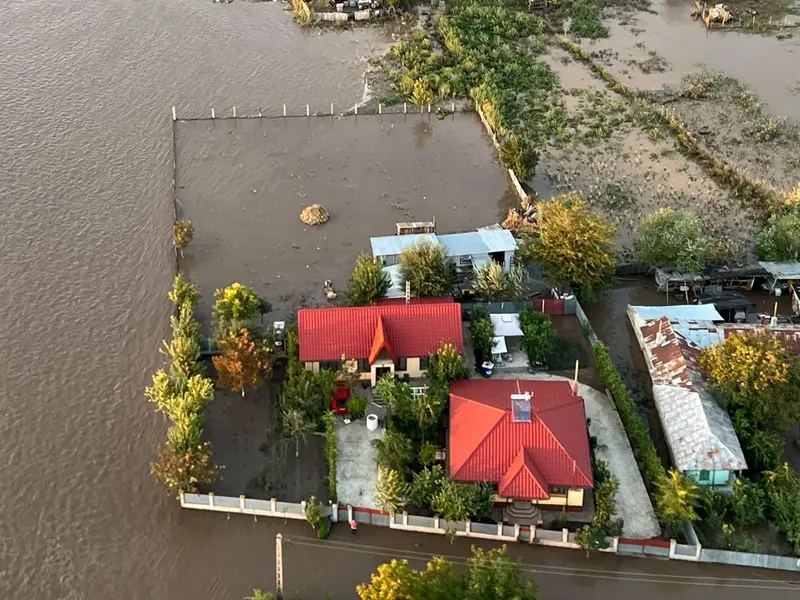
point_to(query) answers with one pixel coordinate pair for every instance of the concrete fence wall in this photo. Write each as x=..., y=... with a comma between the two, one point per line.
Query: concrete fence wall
x=515, y=183
x=488, y=531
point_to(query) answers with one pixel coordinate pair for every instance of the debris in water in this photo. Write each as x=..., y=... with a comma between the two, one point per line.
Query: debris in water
x=316, y=214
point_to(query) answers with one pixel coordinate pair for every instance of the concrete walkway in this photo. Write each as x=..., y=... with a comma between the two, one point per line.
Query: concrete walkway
x=633, y=501
x=356, y=471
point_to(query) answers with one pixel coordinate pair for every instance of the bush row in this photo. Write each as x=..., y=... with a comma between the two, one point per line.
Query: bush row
x=181, y=393
x=643, y=448
x=331, y=453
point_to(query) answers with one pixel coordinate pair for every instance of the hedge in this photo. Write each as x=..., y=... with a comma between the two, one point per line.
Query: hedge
x=331, y=453
x=643, y=448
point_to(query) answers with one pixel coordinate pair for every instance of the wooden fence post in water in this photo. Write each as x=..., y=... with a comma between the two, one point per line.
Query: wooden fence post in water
x=284, y=110
x=331, y=109
x=174, y=117
x=308, y=110
x=234, y=112
x=212, y=114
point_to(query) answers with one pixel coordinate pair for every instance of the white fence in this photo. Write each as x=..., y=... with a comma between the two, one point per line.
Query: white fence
x=488, y=531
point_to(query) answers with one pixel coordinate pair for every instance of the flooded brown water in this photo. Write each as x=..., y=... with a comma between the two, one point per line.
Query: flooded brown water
x=85, y=188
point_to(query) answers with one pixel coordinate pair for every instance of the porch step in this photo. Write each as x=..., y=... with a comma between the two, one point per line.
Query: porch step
x=523, y=513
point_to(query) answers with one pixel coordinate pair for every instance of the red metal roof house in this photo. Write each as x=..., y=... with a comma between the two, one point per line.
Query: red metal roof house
x=387, y=338
x=528, y=437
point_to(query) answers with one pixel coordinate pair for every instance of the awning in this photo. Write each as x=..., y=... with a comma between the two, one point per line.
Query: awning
x=506, y=325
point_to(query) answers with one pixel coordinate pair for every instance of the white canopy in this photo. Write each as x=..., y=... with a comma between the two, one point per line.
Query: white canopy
x=506, y=325
x=499, y=346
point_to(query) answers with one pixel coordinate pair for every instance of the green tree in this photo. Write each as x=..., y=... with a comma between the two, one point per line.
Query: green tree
x=591, y=539
x=748, y=503
x=390, y=490
x=182, y=400
x=395, y=452
x=493, y=283
x=428, y=268
x=259, y=595
x=779, y=239
x=182, y=234
x=447, y=364
x=313, y=512
x=398, y=396
x=184, y=292
x=310, y=393
x=494, y=575
x=185, y=471
x=427, y=454
x=677, y=500
x=518, y=155
x=237, y=306
x=481, y=333
x=369, y=282
x=357, y=405
x=572, y=244
x=538, y=335
x=672, y=238
x=454, y=501
x=425, y=485
x=396, y=581
x=296, y=426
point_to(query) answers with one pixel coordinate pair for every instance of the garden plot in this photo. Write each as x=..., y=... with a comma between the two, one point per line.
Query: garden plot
x=244, y=183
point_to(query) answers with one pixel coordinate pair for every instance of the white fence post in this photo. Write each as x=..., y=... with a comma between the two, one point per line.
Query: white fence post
x=174, y=116
x=213, y=116
x=211, y=498
x=331, y=108
x=615, y=544
x=405, y=519
x=241, y=502
x=234, y=112
x=516, y=531
x=274, y=504
x=334, y=513
x=436, y=522
x=284, y=110
x=533, y=534
x=672, y=544
x=499, y=529
x=308, y=110
x=405, y=107
x=565, y=535
x=468, y=527
x=349, y=513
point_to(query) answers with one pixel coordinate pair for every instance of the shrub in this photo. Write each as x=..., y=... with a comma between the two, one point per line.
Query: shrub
x=494, y=283
x=747, y=503
x=236, y=305
x=331, y=452
x=184, y=292
x=368, y=283
x=391, y=490
x=605, y=499
x=428, y=269
x=395, y=452
x=425, y=485
x=672, y=238
x=427, y=454
x=313, y=512
x=538, y=335
x=591, y=539
x=779, y=239
x=447, y=365
x=357, y=405
x=481, y=333
x=324, y=529
x=185, y=471
x=518, y=155
x=182, y=233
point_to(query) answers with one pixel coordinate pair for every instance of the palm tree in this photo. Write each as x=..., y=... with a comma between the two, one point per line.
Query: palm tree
x=296, y=426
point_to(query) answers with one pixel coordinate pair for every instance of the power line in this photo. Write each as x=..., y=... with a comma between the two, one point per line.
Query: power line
x=542, y=569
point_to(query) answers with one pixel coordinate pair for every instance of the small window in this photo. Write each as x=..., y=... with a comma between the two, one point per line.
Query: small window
x=330, y=365
x=558, y=490
x=363, y=365
x=423, y=362
x=402, y=364
x=704, y=476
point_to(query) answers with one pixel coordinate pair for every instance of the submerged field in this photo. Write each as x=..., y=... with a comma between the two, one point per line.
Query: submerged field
x=243, y=183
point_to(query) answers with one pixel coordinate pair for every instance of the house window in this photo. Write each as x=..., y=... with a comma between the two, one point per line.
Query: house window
x=704, y=476
x=423, y=363
x=558, y=490
x=330, y=365
x=402, y=364
x=363, y=365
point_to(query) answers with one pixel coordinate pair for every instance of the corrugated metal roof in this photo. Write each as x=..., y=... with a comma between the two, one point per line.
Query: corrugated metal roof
x=483, y=241
x=409, y=330
x=789, y=269
x=699, y=433
x=390, y=245
x=485, y=442
x=685, y=312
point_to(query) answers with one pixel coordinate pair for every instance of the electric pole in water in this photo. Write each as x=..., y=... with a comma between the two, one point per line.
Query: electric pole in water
x=279, y=566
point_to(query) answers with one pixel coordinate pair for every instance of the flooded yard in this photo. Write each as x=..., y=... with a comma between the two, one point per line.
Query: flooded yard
x=244, y=182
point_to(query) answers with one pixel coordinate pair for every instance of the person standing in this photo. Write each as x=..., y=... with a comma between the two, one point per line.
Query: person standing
x=354, y=526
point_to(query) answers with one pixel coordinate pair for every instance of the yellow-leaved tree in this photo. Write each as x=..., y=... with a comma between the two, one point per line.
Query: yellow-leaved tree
x=747, y=363
x=571, y=244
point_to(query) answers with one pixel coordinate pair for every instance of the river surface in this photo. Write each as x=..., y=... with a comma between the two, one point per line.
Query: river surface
x=86, y=90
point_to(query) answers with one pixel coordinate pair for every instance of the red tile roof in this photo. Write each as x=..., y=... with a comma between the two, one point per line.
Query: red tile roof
x=363, y=332
x=524, y=459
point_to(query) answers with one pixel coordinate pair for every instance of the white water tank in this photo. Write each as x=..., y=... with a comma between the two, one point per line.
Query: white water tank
x=372, y=422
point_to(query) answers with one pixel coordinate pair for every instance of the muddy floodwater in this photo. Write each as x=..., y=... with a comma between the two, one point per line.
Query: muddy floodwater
x=244, y=183
x=86, y=195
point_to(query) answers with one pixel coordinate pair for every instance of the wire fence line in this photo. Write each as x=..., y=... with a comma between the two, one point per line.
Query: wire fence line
x=440, y=109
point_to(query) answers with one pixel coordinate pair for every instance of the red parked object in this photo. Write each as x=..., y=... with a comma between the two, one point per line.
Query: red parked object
x=339, y=399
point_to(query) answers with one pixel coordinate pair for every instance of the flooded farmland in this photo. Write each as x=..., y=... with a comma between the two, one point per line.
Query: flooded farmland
x=243, y=183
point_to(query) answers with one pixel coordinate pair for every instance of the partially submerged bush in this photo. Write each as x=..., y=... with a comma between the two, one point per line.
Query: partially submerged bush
x=316, y=214
x=672, y=238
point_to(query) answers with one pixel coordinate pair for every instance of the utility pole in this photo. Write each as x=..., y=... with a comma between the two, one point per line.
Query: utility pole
x=279, y=566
